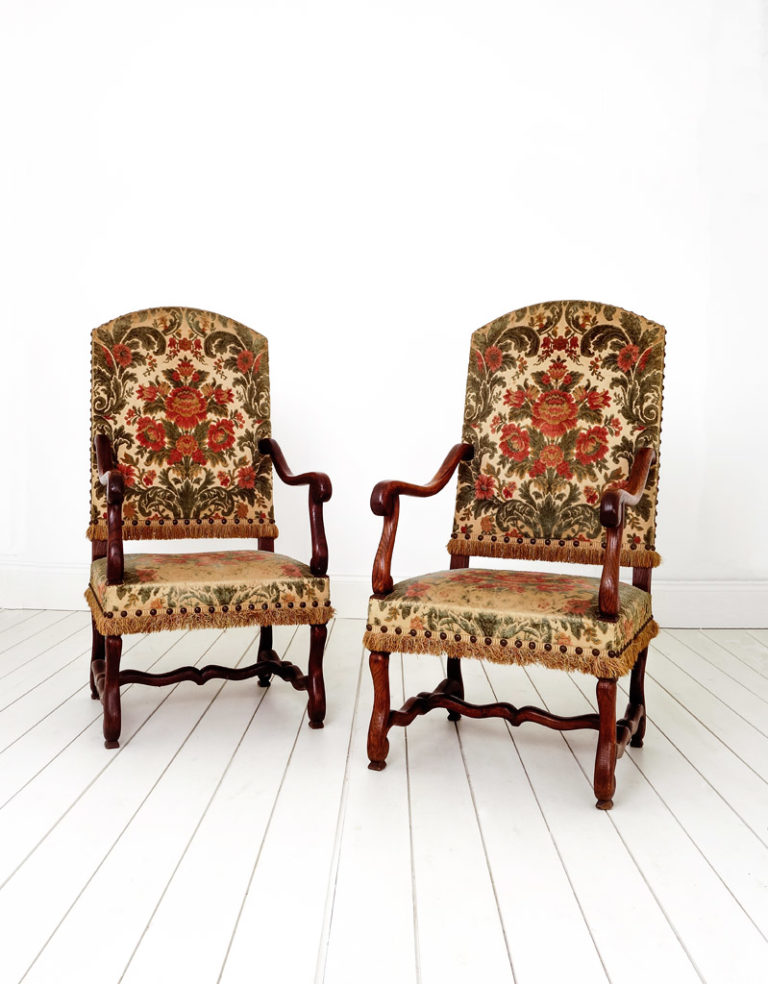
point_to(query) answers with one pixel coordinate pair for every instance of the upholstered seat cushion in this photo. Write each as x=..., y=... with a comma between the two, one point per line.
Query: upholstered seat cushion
x=199, y=590
x=512, y=617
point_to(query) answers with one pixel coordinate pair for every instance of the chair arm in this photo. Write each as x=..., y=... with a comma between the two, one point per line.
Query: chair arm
x=385, y=501
x=320, y=491
x=111, y=478
x=613, y=507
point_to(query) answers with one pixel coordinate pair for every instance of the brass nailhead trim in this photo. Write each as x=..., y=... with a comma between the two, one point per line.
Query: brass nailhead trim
x=383, y=628
x=211, y=609
x=108, y=614
x=443, y=635
x=251, y=607
x=457, y=637
x=488, y=641
x=595, y=652
x=138, y=612
x=579, y=650
x=473, y=638
x=561, y=543
x=265, y=606
x=197, y=609
x=548, y=647
x=398, y=631
x=123, y=614
x=169, y=611
x=302, y=604
x=413, y=632
x=503, y=642
x=506, y=539
x=563, y=649
x=183, y=611
x=531, y=645
x=368, y=628
x=518, y=644
x=225, y=608
x=427, y=634
x=153, y=611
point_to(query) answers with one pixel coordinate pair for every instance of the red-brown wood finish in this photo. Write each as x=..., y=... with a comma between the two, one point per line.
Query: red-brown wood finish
x=385, y=501
x=320, y=491
x=613, y=735
x=106, y=677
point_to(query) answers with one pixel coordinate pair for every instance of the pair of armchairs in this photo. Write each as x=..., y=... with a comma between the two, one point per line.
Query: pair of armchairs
x=558, y=462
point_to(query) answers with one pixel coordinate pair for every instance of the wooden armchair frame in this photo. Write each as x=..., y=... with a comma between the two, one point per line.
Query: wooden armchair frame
x=106, y=677
x=613, y=735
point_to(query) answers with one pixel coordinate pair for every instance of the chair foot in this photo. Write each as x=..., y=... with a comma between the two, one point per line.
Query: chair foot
x=636, y=742
x=264, y=682
x=378, y=745
x=605, y=759
x=111, y=697
x=315, y=682
x=454, y=716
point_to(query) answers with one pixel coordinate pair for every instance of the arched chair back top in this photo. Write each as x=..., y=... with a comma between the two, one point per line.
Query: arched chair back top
x=183, y=396
x=560, y=397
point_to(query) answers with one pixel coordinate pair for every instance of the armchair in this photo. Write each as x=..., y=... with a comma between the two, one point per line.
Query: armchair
x=558, y=462
x=181, y=449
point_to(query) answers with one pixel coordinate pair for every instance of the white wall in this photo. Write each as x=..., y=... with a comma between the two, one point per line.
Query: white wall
x=367, y=183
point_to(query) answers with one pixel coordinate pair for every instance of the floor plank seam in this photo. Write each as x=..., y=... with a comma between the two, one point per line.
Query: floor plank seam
x=261, y=847
x=710, y=662
x=32, y=636
x=261, y=697
x=550, y=832
x=42, y=652
x=327, y=923
x=414, y=892
x=706, y=727
x=135, y=812
x=686, y=833
x=630, y=854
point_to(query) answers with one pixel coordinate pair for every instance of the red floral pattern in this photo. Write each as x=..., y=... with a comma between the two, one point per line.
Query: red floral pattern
x=559, y=399
x=183, y=396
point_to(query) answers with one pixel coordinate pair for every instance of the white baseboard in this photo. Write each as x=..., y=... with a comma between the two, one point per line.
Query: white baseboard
x=677, y=604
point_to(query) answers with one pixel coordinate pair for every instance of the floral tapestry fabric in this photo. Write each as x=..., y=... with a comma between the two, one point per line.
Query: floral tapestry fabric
x=161, y=591
x=560, y=397
x=512, y=617
x=183, y=396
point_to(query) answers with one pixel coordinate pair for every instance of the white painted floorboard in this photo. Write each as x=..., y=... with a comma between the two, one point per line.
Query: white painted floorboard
x=226, y=841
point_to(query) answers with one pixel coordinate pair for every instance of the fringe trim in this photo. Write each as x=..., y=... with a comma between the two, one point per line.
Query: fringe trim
x=179, y=530
x=116, y=625
x=541, y=551
x=602, y=665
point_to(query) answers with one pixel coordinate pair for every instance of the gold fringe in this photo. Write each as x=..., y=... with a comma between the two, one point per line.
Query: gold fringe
x=205, y=620
x=604, y=666
x=98, y=531
x=540, y=551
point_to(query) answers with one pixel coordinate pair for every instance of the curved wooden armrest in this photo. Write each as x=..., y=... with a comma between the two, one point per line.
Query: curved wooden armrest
x=615, y=501
x=613, y=507
x=385, y=501
x=320, y=491
x=111, y=478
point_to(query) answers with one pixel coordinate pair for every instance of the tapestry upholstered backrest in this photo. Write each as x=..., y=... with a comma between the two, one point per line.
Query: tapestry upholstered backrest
x=560, y=396
x=183, y=395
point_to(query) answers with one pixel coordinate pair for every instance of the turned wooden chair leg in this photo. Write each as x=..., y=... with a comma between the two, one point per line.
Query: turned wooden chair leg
x=637, y=695
x=316, y=685
x=454, y=675
x=605, y=760
x=97, y=652
x=111, y=696
x=378, y=745
x=265, y=652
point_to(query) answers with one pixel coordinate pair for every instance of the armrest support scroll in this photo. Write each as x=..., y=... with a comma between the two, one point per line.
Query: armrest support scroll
x=613, y=506
x=111, y=478
x=320, y=491
x=385, y=501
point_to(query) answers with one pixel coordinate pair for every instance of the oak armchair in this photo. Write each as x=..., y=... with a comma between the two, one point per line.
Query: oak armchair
x=181, y=449
x=559, y=462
